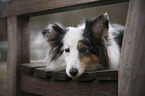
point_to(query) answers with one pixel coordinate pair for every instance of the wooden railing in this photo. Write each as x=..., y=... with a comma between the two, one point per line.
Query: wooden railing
x=39, y=69
x=23, y=77
x=35, y=79
x=41, y=7
x=18, y=13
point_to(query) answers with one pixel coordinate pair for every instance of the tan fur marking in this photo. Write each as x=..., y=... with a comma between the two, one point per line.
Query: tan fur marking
x=88, y=60
x=90, y=63
x=81, y=45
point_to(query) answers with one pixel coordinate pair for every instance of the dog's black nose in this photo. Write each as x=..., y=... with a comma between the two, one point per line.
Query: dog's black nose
x=73, y=72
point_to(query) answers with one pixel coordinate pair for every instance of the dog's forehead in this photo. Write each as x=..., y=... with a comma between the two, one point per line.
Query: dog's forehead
x=72, y=36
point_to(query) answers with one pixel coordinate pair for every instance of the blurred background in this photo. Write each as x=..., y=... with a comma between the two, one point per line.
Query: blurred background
x=117, y=14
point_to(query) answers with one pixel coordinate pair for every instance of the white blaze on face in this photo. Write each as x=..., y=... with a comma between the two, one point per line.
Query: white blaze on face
x=70, y=41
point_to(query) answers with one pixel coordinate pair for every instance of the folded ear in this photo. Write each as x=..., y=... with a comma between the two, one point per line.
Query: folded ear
x=53, y=32
x=98, y=27
x=54, y=35
x=45, y=33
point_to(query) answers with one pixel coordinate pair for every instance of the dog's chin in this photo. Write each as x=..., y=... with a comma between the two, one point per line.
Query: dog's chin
x=77, y=76
x=74, y=77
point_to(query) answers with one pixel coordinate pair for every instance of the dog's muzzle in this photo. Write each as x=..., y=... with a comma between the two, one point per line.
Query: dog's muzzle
x=73, y=72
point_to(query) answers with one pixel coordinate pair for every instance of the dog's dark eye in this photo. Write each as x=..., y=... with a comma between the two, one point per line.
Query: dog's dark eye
x=67, y=50
x=83, y=49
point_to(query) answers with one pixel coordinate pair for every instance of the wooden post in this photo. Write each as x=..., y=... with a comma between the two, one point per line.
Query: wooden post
x=18, y=50
x=132, y=63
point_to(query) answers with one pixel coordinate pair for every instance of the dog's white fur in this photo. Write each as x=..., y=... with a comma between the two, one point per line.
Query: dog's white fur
x=71, y=40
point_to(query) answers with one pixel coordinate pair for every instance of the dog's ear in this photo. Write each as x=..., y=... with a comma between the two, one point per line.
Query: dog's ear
x=53, y=32
x=98, y=27
x=45, y=33
x=54, y=35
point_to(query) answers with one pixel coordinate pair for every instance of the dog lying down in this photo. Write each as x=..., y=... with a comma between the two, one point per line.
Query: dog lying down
x=94, y=45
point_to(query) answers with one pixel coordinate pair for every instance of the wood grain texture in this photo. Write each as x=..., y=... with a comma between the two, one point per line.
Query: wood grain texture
x=86, y=77
x=40, y=71
x=72, y=88
x=102, y=75
x=60, y=76
x=41, y=7
x=132, y=63
x=29, y=67
x=18, y=50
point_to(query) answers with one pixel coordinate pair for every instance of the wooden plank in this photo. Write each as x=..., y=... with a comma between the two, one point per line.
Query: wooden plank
x=29, y=67
x=18, y=50
x=107, y=75
x=86, y=77
x=60, y=76
x=72, y=88
x=41, y=7
x=102, y=75
x=132, y=63
x=42, y=73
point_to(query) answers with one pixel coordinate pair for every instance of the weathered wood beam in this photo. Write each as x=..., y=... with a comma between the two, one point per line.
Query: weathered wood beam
x=18, y=50
x=39, y=86
x=39, y=70
x=132, y=63
x=29, y=68
x=41, y=7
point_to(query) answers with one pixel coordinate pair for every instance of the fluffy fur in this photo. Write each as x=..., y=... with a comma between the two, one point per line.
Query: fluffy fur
x=94, y=45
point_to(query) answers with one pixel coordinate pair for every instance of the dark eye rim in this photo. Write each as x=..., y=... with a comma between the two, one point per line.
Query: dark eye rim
x=67, y=50
x=83, y=49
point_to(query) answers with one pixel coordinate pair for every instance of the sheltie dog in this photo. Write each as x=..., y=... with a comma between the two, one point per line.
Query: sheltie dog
x=94, y=45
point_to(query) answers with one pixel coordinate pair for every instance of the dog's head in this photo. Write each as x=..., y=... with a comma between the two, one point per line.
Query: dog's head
x=83, y=48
